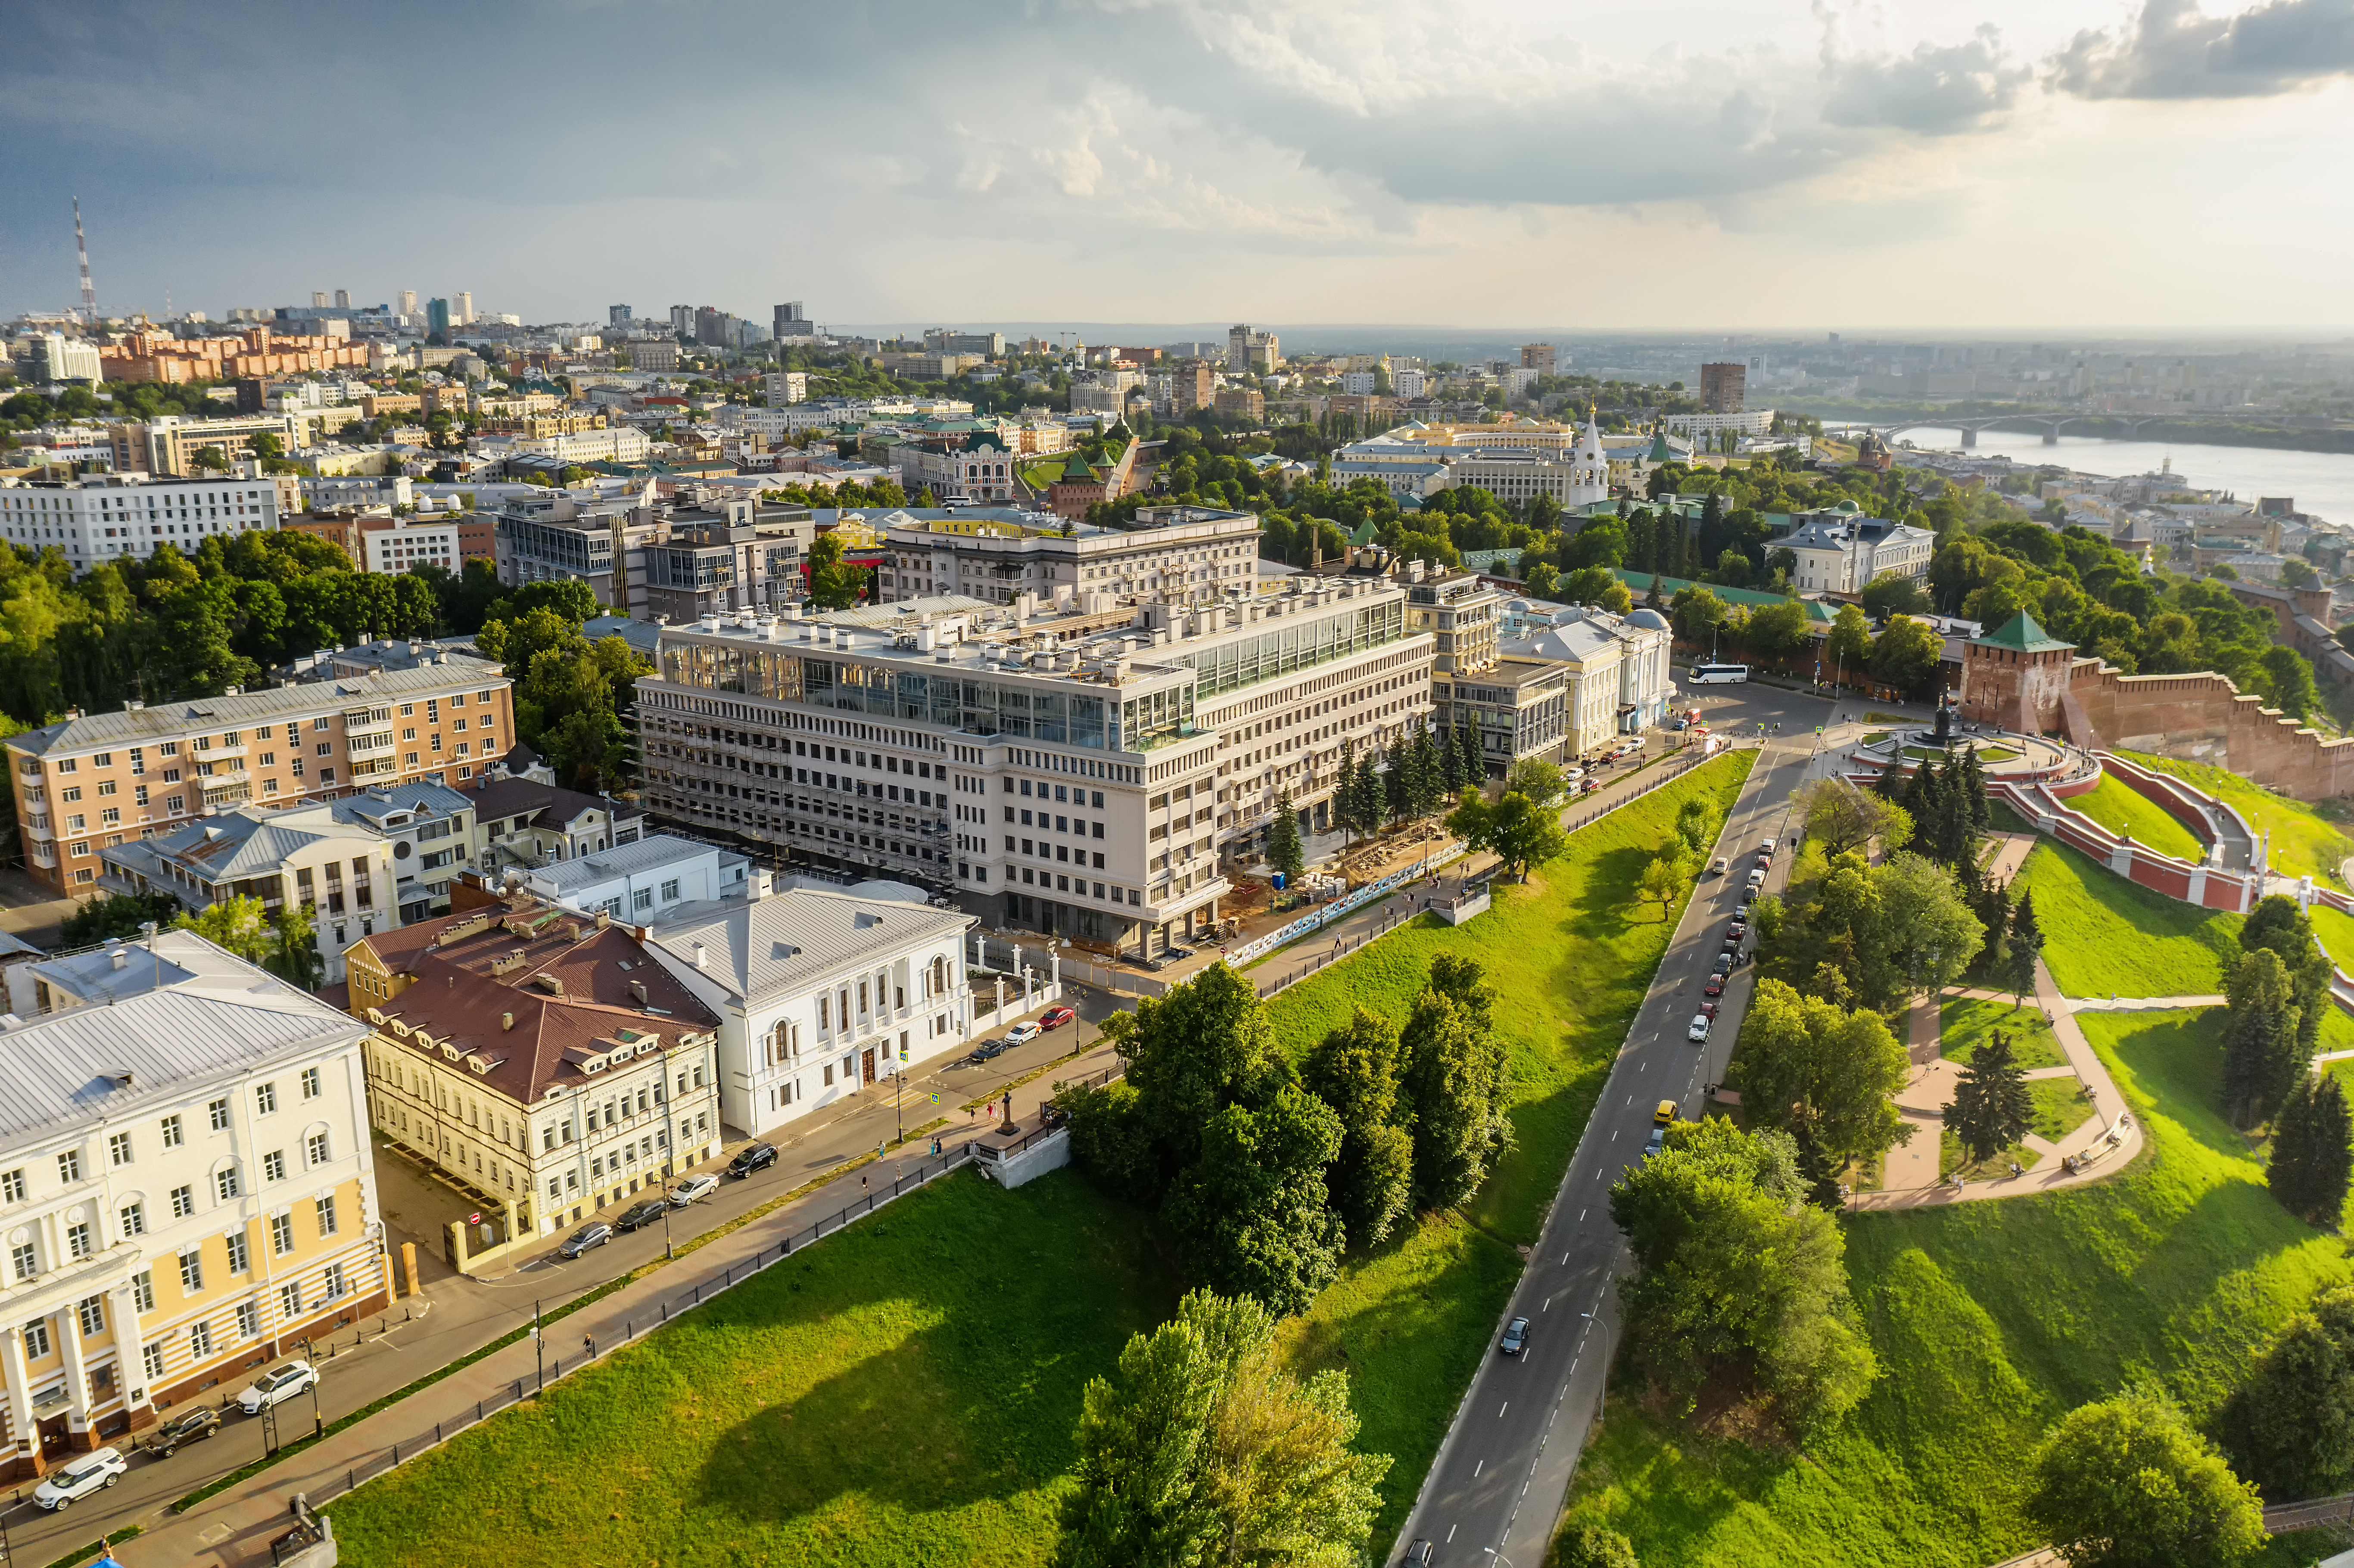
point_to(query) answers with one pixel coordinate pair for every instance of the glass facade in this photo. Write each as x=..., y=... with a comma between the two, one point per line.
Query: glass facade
x=1295, y=643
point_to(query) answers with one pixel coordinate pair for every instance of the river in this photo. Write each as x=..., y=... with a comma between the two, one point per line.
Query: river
x=2321, y=482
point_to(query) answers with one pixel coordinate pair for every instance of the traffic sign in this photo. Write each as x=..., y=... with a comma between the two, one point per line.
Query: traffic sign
x=474, y=1219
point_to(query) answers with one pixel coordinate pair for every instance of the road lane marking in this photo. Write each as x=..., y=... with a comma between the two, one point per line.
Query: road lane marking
x=1451, y=1534
x=1581, y=1216
x=1477, y=1467
x=1500, y=1414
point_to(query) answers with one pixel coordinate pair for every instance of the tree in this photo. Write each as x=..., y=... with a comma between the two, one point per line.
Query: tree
x=1736, y=1272
x=2260, y=1054
x=2126, y=1483
x=294, y=945
x=1991, y=1108
x=1426, y=788
x=1202, y=1449
x=1516, y=830
x=1592, y=1545
x=2278, y=923
x=1893, y=593
x=2289, y=1426
x=237, y=924
x=1250, y=1214
x=1203, y=1047
x=1697, y=614
x=835, y=584
x=1598, y=586
x=1284, y=852
x=1927, y=933
x=1475, y=762
x=1824, y=1075
x=1540, y=782
x=1354, y=1069
x=1776, y=630
x=1839, y=817
x=2288, y=682
x=118, y=915
x=1664, y=878
x=2023, y=950
x=1452, y=1073
x=1906, y=653
x=2311, y=1160
x=1848, y=649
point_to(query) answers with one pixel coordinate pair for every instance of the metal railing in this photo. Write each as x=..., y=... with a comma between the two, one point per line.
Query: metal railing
x=635, y=1327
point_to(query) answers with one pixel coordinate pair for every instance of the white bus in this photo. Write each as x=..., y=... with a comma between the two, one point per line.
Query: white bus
x=1718, y=674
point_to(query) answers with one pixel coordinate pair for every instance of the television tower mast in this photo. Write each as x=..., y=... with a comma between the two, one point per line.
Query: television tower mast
x=89, y=294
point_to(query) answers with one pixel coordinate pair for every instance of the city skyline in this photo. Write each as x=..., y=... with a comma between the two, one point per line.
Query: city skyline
x=2012, y=167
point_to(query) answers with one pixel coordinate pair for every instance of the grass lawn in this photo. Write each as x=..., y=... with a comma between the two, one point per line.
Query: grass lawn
x=1990, y=1321
x=2336, y=934
x=2118, y=808
x=2061, y=1106
x=2304, y=843
x=1965, y=1022
x=906, y=1392
x=2104, y=933
x=1571, y=957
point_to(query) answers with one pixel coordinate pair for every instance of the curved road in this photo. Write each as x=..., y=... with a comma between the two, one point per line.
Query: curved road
x=1505, y=1466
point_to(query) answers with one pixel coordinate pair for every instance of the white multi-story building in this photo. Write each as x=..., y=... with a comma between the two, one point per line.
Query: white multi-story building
x=616, y=443
x=1845, y=554
x=1620, y=668
x=1084, y=773
x=1751, y=422
x=1186, y=553
x=412, y=542
x=184, y=1184
x=784, y=386
x=644, y=879
x=539, y=1060
x=821, y=992
x=108, y=517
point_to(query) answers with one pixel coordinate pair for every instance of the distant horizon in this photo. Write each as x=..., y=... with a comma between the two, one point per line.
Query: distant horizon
x=2009, y=169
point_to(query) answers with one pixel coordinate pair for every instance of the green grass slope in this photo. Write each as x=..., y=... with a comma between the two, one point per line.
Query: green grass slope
x=905, y=1392
x=2304, y=843
x=1990, y=1320
x=2104, y=933
x=2122, y=810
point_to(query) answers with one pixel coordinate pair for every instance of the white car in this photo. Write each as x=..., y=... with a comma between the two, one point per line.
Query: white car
x=1697, y=1033
x=1022, y=1033
x=1766, y=847
x=278, y=1387
x=693, y=1187
x=99, y=1467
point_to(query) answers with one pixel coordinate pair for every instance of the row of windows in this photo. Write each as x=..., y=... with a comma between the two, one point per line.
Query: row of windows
x=246, y=1318
x=173, y=1134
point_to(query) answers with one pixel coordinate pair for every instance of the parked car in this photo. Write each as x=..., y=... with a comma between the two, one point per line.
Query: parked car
x=1715, y=986
x=1418, y=1555
x=1722, y=964
x=1055, y=1017
x=277, y=1387
x=988, y=1050
x=1766, y=847
x=1516, y=1337
x=692, y=1188
x=1708, y=1007
x=1756, y=877
x=584, y=1239
x=1764, y=861
x=1655, y=1143
x=1022, y=1033
x=193, y=1425
x=1720, y=866
x=752, y=1156
x=1698, y=1031
x=637, y=1216
x=99, y=1467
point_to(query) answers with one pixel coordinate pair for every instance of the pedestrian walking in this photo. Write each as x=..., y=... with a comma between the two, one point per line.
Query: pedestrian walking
x=589, y=1344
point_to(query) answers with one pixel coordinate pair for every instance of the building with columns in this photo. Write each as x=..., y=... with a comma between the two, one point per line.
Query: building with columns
x=186, y=1188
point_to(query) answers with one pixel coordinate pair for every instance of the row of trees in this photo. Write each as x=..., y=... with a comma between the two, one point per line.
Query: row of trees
x=569, y=693
x=1265, y=1172
x=1677, y=864
x=1412, y=779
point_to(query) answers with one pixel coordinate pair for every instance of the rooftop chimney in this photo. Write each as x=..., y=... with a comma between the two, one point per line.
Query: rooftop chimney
x=702, y=955
x=506, y=1020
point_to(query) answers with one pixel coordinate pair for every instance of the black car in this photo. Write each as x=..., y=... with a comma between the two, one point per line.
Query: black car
x=1421, y=1554
x=1516, y=1337
x=1723, y=963
x=752, y=1156
x=641, y=1214
x=188, y=1426
x=987, y=1051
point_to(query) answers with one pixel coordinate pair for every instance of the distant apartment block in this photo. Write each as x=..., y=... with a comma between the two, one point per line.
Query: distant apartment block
x=1721, y=386
x=108, y=517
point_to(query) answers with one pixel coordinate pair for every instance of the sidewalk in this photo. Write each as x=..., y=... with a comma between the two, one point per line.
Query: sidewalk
x=1926, y=1095
x=235, y=1526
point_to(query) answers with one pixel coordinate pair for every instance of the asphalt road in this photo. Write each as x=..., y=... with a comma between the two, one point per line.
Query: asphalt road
x=1505, y=1466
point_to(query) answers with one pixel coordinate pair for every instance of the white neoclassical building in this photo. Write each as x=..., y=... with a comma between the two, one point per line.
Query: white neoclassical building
x=186, y=1189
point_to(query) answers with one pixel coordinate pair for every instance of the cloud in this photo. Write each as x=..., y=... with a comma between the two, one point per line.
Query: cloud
x=1936, y=91
x=2173, y=50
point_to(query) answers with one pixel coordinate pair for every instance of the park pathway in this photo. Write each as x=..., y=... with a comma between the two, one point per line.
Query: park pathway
x=2106, y=1141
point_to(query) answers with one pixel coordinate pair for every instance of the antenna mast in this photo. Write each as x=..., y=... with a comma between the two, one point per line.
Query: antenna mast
x=89, y=294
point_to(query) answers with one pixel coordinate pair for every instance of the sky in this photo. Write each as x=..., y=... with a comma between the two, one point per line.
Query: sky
x=2046, y=165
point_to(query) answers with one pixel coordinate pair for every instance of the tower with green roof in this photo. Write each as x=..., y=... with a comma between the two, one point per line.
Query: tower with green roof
x=2017, y=677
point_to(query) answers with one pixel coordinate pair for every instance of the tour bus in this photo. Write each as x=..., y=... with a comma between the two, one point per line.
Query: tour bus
x=1718, y=674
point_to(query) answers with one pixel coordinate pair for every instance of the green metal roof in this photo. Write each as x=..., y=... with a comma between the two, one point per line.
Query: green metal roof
x=1639, y=585
x=2023, y=636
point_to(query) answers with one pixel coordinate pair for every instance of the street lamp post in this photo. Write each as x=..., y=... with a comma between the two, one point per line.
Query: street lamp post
x=1602, y=1405
x=667, y=1252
